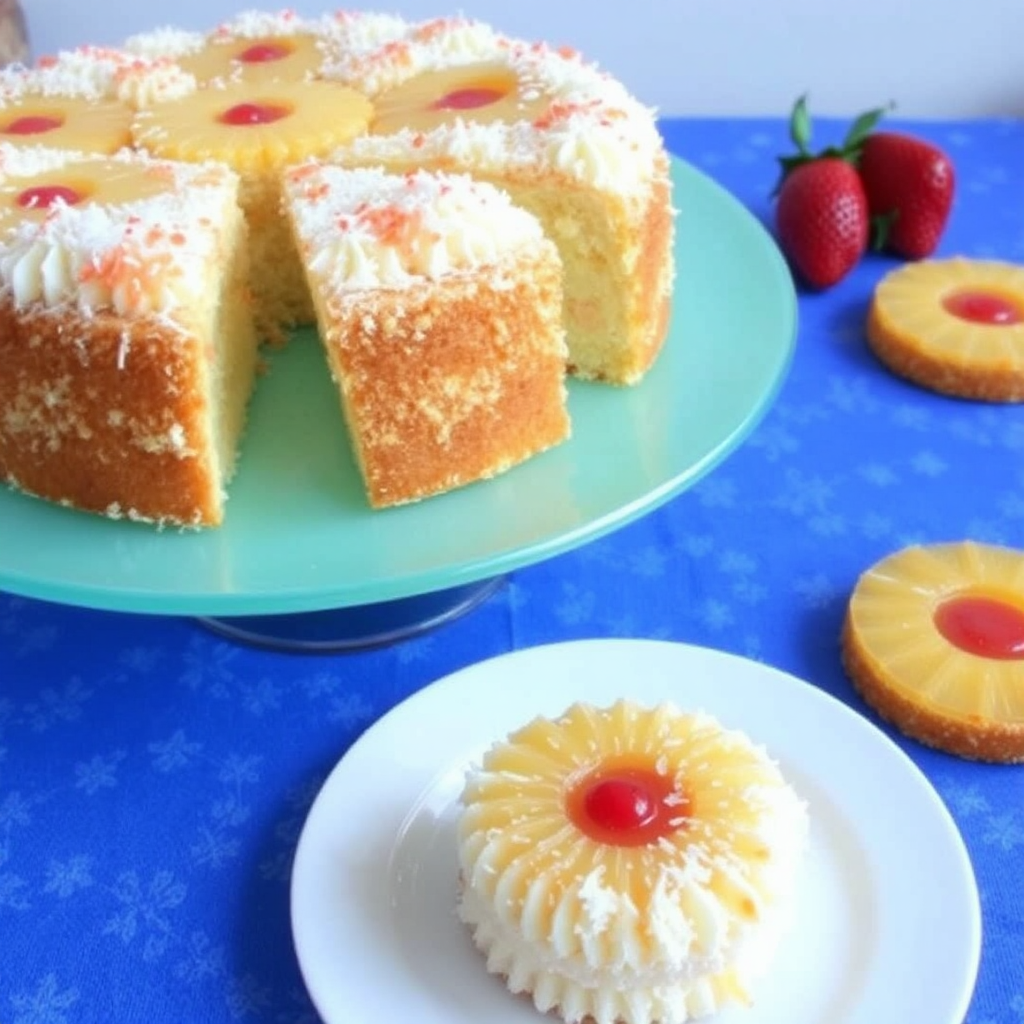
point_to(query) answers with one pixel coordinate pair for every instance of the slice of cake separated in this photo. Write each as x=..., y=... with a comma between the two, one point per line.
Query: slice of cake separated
x=440, y=307
x=260, y=104
x=566, y=141
x=126, y=334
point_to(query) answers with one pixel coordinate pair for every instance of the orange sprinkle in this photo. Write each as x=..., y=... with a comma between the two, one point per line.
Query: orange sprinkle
x=178, y=238
x=121, y=268
x=390, y=224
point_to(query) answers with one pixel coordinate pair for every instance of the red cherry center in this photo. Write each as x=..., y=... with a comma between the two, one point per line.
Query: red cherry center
x=264, y=53
x=468, y=99
x=33, y=124
x=42, y=197
x=984, y=626
x=254, y=113
x=625, y=806
x=981, y=307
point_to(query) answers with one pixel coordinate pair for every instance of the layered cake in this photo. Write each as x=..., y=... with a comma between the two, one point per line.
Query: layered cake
x=628, y=864
x=126, y=336
x=934, y=641
x=268, y=94
x=440, y=306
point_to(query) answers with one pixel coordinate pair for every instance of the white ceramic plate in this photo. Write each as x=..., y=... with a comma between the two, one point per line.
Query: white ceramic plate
x=888, y=922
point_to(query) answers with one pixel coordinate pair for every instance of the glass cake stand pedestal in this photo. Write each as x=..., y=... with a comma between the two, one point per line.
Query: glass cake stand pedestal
x=340, y=630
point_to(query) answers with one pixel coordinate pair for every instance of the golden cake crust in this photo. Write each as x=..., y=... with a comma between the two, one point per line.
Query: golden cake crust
x=106, y=414
x=451, y=381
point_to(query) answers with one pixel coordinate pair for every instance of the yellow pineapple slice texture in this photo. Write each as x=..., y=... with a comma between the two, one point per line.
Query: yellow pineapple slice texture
x=79, y=182
x=254, y=127
x=483, y=93
x=954, y=326
x=269, y=58
x=67, y=122
x=934, y=641
x=258, y=129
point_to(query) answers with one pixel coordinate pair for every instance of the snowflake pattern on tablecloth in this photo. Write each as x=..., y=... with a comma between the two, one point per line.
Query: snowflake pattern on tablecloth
x=154, y=778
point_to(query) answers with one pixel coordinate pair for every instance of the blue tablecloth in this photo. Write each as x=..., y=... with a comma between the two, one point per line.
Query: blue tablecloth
x=154, y=778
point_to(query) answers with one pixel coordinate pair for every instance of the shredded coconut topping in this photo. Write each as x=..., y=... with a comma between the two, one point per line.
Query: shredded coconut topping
x=570, y=115
x=365, y=228
x=96, y=73
x=140, y=244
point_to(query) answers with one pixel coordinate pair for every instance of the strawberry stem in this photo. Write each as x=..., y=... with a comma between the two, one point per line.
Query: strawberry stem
x=881, y=227
x=800, y=134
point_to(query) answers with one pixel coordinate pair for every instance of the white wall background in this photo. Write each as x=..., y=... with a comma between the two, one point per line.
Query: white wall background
x=934, y=58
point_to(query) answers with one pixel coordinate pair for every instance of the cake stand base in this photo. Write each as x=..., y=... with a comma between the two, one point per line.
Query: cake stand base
x=354, y=629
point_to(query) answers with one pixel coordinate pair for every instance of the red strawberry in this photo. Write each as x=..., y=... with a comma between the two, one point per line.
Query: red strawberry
x=909, y=184
x=822, y=220
x=822, y=212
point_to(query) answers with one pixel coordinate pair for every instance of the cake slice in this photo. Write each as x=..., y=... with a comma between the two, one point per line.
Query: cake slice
x=126, y=336
x=440, y=307
x=566, y=141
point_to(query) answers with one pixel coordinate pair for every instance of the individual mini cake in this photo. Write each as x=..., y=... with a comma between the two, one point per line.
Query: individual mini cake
x=265, y=46
x=259, y=129
x=439, y=305
x=628, y=864
x=934, y=641
x=126, y=339
x=566, y=141
x=955, y=326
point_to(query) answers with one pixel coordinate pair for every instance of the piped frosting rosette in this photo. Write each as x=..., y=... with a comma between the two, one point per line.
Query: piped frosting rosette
x=628, y=864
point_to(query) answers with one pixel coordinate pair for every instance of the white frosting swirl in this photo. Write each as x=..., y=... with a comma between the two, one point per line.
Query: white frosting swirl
x=363, y=228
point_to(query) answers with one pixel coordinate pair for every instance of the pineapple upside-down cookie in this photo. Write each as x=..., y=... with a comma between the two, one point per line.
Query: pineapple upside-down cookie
x=934, y=641
x=628, y=864
x=955, y=326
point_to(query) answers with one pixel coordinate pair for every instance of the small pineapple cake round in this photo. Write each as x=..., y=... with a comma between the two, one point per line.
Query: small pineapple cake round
x=566, y=141
x=126, y=335
x=439, y=304
x=628, y=864
x=267, y=45
x=258, y=128
x=955, y=326
x=934, y=641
